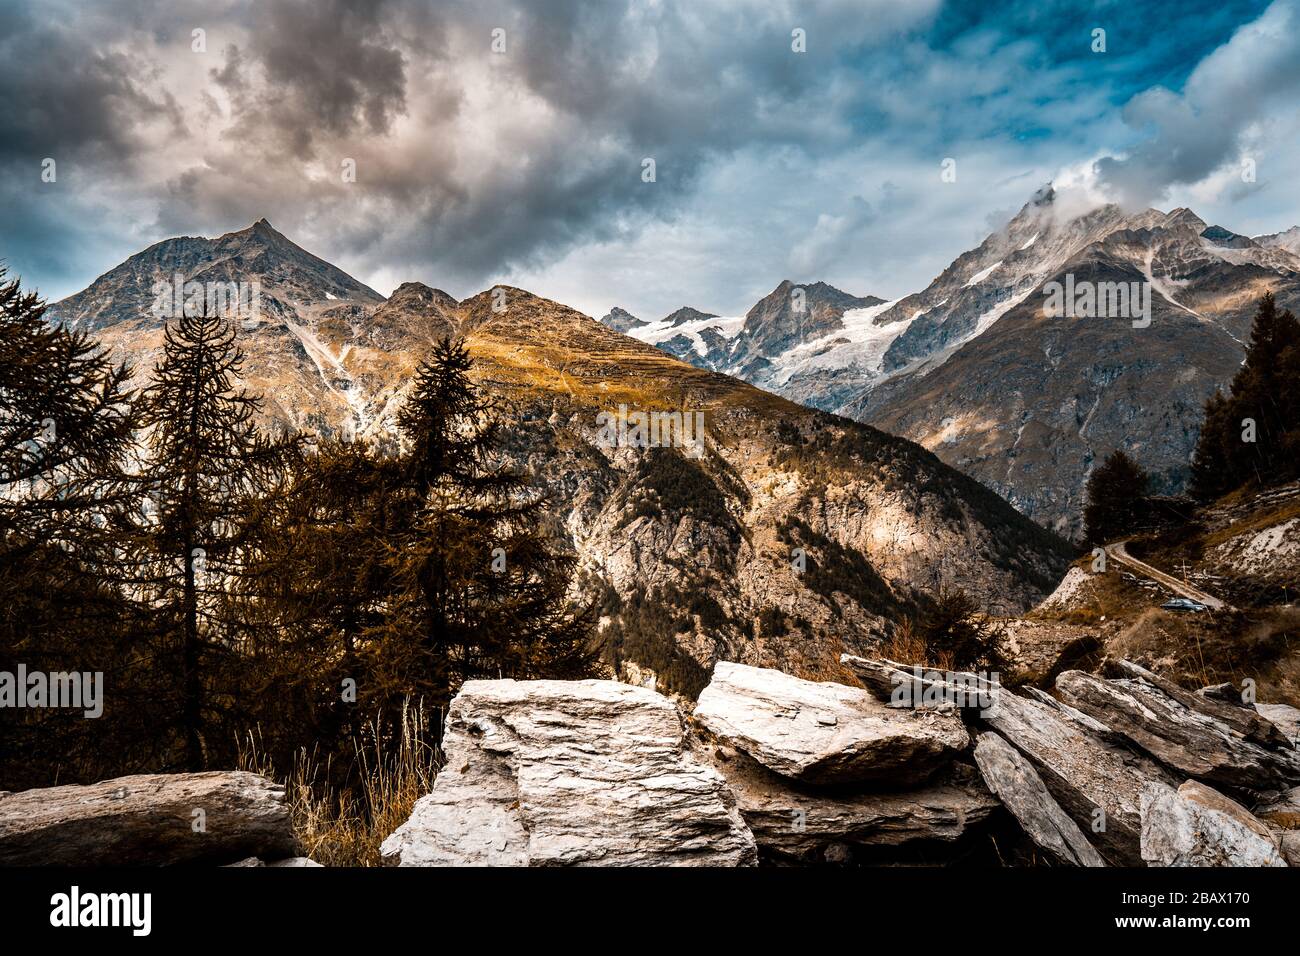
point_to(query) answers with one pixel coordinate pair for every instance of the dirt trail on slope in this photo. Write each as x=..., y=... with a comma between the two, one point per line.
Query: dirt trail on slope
x=1119, y=552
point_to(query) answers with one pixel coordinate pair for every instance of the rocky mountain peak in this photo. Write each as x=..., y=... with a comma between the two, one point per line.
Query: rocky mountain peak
x=687, y=314
x=1288, y=240
x=621, y=320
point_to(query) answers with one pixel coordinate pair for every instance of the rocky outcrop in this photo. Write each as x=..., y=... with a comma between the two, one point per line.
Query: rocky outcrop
x=811, y=824
x=1097, y=780
x=1197, y=826
x=1013, y=779
x=781, y=769
x=546, y=773
x=1280, y=812
x=824, y=733
x=1285, y=718
x=148, y=820
x=1193, y=734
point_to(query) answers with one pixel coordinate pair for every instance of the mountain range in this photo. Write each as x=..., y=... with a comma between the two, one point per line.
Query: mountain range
x=794, y=537
x=974, y=369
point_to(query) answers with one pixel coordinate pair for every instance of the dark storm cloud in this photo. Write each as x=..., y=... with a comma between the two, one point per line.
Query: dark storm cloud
x=67, y=99
x=478, y=185
x=331, y=67
x=473, y=166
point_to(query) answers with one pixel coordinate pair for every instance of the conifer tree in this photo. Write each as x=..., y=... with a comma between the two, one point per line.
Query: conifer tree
x=1253, y=434
x=319, y=582
x=479, y=590
x=205, y=468
x=1115, y=493
x=65, y=427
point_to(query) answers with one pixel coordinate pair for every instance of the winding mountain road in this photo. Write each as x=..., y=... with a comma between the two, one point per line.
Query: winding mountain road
x=1119, y=552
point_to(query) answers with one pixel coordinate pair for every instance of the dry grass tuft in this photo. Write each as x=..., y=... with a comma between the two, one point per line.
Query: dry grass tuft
x=344, y=827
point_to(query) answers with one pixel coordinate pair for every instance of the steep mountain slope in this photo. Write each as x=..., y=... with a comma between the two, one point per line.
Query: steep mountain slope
x=691, y=557
x=1027, y=402
x=299, y=343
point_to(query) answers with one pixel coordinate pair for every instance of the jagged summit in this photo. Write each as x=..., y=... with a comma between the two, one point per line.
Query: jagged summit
x=287, y=275
x=687, y=314
x=621, y=320
x=1288, y=241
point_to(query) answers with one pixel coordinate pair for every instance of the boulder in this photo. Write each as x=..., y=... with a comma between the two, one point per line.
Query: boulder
x=1280, y=812
x=1021, y=790
x=594, y=772
x=1243, y=719
x=1095, y=779
x=148, y=820
x=1285, y=718
x=1193, y=734
x=825, y=733
x=810, y=824
x=1197, y=826
x=891, y=682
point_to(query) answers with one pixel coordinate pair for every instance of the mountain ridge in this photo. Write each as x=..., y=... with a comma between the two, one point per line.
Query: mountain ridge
x=690, y=556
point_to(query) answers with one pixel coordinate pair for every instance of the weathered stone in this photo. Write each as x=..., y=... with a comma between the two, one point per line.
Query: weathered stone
x=1098, y=783
x=1197, y=826
x=816, y=824
x=1014, y=780
x=884, y=678
x=1095, y=780
x=1224, y=693
x=1280, y=812
x=1195, y=735
x=148, y=820
x=1246, y=721
x=1285, y=718
x=823, y=732
x=570, y=773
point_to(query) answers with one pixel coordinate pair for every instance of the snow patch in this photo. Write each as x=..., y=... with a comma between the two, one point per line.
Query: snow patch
x=982, y=274
x=865, y=346
x=656, y=333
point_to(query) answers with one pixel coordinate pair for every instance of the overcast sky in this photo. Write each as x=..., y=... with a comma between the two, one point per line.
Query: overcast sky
x=476, y=167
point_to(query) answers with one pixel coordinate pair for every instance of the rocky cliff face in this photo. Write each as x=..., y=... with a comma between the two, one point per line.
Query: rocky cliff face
x=784, y=537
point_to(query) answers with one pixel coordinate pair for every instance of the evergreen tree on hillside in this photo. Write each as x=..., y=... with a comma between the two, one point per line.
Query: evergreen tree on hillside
x=1253, y=433
x=204, y=469
x=65, y=428
x=1115, y=492
x=65, y=423
x=320, y=581
x=478, y=588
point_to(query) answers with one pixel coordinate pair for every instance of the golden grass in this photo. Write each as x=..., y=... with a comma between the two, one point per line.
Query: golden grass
x=1197, y=650
x=345, y=827
x=908, y=646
